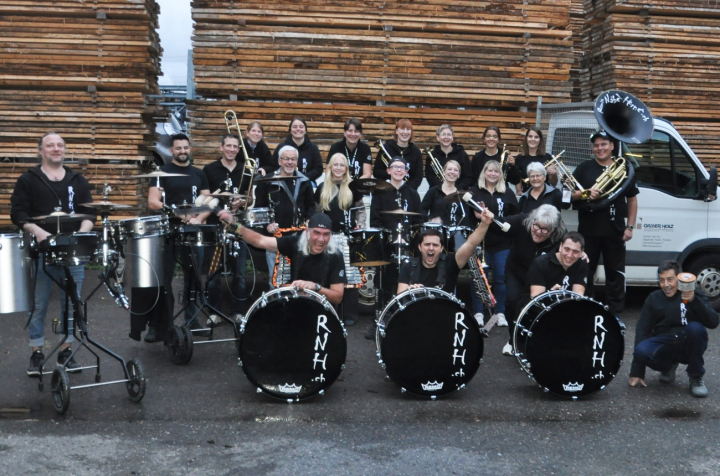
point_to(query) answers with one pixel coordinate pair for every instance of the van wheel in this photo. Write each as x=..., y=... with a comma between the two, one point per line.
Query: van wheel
x=707, y=270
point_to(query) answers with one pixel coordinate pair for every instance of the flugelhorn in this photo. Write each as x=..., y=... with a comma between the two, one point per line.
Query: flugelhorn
x=385, y=156
x=251, y=165
x=435, y=164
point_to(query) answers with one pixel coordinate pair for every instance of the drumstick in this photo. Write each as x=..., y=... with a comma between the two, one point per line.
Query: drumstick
x=467, y=198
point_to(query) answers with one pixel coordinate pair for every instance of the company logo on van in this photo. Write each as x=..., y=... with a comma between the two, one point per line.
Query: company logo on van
x=656, y=226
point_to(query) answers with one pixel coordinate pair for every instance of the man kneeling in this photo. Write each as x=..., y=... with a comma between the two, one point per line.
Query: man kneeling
x=672, y=330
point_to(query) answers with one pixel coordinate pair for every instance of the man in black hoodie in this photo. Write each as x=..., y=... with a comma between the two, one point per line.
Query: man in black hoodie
x=672, y=329
x=48, y=187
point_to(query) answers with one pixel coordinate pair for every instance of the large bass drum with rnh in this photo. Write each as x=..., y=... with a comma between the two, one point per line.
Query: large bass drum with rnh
x=569, y=344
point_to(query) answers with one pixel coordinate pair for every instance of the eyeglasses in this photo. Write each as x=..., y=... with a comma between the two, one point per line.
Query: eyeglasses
x=289, y=159
x=535, y=176
x=397, y=167
x=539, y=229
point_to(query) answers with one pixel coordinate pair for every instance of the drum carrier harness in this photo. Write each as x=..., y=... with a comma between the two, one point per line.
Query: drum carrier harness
x=415, y=271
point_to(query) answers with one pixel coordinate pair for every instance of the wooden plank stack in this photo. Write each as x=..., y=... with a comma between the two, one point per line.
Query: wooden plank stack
x=82, y=69
x=392, y=59
x=667, y=53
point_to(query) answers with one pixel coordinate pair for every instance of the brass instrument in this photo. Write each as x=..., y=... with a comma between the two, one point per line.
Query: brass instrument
x=435, y=164
x=564, y=175
x=385, y=156
x=251, y=165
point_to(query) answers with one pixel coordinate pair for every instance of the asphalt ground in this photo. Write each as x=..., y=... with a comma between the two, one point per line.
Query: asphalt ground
x=206, y=418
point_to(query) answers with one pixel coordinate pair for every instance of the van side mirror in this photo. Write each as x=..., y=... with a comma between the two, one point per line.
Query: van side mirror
x=711, y=190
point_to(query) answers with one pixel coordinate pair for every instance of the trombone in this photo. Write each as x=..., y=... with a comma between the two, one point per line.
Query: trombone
x=385, y=156
x=251, y=165
x=435, y=164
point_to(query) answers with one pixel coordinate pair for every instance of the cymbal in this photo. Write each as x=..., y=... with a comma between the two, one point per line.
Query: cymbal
x=455, y=196
x=105, y=206
x=367, y=186
x=400, y=212
x=275, y=178
x=228, y=195
x=62, y=217
x=154, y=174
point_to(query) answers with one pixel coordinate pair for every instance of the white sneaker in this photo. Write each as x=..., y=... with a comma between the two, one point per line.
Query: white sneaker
x=214, y=320
x=508, y=350
x=501, y=321
x=480, y=319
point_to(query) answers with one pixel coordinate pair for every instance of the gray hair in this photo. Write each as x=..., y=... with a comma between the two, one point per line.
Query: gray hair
x=546, y=216
x=443, y=127
x=536, y=167
x=285, y=148
x=304, y=244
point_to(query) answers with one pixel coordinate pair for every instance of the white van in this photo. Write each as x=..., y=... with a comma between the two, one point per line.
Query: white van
x=677, y=208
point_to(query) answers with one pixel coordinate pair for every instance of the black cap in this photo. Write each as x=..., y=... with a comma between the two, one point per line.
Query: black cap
x=600, y=133
x=397, y=159
x=320, y=220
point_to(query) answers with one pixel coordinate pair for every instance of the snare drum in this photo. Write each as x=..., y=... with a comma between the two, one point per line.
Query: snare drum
x=16, y=269
x=439, y=227
x=367, y=247
x=292, y=344
x=144, y=240
x=428, y=342
x=257, y=217
x=455, y=232
x=198, y=235
x=69, y=249
x=569, y=344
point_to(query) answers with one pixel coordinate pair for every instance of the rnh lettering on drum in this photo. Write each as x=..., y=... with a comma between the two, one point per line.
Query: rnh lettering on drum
x=599, y=342
x=459, y=343
x=320, y=343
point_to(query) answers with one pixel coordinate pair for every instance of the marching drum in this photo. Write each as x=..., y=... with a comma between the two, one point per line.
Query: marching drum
x=292, y=344
x=569, y=344
x=428, y=342
x=16, y=268
x=198, y=235
x=367, y=247
x=453, y=232
x=144, y=240
x=69, y=249
x=257, y=217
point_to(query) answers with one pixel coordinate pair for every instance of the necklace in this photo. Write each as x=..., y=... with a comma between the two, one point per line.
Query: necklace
x=53, y=177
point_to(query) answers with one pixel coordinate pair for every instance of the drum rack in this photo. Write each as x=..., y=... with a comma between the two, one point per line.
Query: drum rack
x=60, y=382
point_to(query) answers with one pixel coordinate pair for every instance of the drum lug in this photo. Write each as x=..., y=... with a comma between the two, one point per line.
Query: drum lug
x=402, y=390
x=606, y=307
x=433, y=397
x=240, y=362
x=259, y=390
x=546, y=389
x=461, y=387
x=321, y=392
x=342, y=367
x=526, y=332
x=289, y=400
x=382, y=364
x=345, y=332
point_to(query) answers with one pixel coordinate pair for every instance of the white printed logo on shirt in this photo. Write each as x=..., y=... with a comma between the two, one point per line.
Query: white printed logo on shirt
x=501, y=205
x=566, y=283
x=683, y=312
x=71, y=199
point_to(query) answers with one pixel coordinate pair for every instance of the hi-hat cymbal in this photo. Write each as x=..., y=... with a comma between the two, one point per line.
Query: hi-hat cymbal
x=275, y=178
x=400, y=212
x=367, y=186
x=105, y=206
x=62, y=217
x=154, y=174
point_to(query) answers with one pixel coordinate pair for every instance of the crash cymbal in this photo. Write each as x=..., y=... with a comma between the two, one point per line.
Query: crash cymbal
x=455, y=196
x=275, y=178
x=61, y=217
x=154, y=174
x=105, y=206
x=399, y=212
x=367, y=186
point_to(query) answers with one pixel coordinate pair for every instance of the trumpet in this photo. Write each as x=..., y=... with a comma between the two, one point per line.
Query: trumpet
x=564, y=174
x=435, y=164
x=251, y=165
x=385, y=156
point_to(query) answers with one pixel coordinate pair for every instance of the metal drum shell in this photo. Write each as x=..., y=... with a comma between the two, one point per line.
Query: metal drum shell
x=69, y=249
x=17, y=269
x=145, y=261
x=368, y=247
x=465, y=231
x=198, y=235
x=140, y=227
x=257, y=217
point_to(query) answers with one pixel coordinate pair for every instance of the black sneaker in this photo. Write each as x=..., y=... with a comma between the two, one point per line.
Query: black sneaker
x=70, y=365
x=370, y=332
x=36, y=359
x=200, y=331
x=151, y=335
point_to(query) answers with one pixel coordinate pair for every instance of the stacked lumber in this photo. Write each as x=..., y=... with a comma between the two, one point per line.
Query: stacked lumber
x=667, y=53
x=577, y=26
x=84, y=70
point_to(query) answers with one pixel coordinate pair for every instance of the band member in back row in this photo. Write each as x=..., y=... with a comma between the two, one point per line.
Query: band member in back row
x=533, y=150
x=401, y=145
x=540, y=192
x=672, y=329
x=492, y=138
x=309, y=161
x=229, y=174
x=291, y=200
x=433, y=268
x=258, y=149
x=40, y=191
x=447, y=150
x=316, y=264
x=356, y=151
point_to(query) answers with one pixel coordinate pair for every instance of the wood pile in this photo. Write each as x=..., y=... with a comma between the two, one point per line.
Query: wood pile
x=667, y=53
x=83, y=69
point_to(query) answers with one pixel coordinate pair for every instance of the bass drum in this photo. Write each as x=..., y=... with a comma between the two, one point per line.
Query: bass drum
x=569, y=344
x=428, y=342
x=292, y=344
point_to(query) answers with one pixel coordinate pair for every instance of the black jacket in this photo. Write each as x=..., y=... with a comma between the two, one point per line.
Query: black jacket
x=524, y=250
x=411, y=154
x=550, y=196
x=261, y=154
x=478, y=162
x=360, y=156
x=452, y=214
x=502, y=205
x=285, y=214
x=35, y=195
x=388, y=201
x=310, y=161
x=518, y=171
x=458, y=154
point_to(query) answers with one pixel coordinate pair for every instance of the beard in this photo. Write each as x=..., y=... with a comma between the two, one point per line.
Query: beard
x=182, y=158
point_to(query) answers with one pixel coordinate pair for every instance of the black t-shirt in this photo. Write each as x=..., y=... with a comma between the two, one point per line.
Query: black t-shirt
x=179, y=190
x=337, y=214
x=217, y=175
x=607, y=221
x=428, y=277
x=547, y=271
x=357, y=157
x=311, y=268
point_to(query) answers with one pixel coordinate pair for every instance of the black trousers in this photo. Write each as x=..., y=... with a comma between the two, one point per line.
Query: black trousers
x=513, y=304
x=612, y=249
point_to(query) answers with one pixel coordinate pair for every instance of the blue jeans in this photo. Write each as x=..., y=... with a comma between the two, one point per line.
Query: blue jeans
x=43, y=287
x=496, y=261
x=662, y=352
x=237, y=266
x=270, y=257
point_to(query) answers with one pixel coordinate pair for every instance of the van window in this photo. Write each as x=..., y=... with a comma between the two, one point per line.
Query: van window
x=660, y=163
x=567, y=139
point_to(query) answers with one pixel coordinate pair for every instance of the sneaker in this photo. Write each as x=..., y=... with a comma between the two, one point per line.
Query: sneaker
x=501, y=321
x=480, y=319
x=70, y=365
x=698, y=388
x=508, y=350
x=669, y=375
x=151, y=335
x=370, y=332
x=214, y=320
x=36, y=359
x=201, y=331
x=349, y=321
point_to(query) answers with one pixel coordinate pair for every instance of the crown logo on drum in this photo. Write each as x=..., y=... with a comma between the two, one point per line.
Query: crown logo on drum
x=573, y=387
x=430, y=386
x=290, y=388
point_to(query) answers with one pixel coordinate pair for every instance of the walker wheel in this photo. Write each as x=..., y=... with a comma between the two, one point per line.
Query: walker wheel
x=60, y=390
x=188, y=342
x=136, y=380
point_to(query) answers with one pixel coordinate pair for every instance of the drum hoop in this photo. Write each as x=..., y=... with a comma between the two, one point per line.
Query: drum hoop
x=294, y=293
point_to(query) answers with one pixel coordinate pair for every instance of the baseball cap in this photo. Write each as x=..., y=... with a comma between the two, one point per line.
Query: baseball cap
x=600, y=133
x=398, y=159
x=320, y=220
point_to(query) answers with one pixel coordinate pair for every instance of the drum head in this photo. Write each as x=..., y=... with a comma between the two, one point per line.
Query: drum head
x=431, y=347
x=575, y=347
x=292, y=348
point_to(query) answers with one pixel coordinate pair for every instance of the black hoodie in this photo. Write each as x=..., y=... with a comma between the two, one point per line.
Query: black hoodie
x=310, y=162
x=412, y=156
x=457, y=154
x=261, y=153
x=36, y=195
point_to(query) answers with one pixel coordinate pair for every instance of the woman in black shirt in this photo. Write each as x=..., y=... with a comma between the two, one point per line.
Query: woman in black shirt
x=257, y=148
x=540, y=192
x=446, y=150
x=357, y=152
x=533, y=150
x=436, y=209
x=492, y=138
x=309, y=158
x=401, y=146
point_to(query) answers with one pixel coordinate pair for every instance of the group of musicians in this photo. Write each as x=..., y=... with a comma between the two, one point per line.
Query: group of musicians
x=536, y=254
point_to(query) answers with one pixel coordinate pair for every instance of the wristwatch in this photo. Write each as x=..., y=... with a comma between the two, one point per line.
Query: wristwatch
x=318, y=287
x=630, y=227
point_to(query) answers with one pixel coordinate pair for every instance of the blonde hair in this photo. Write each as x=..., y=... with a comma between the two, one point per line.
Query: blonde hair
x=500, y=187
x=452, y=162
x=331, y=189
